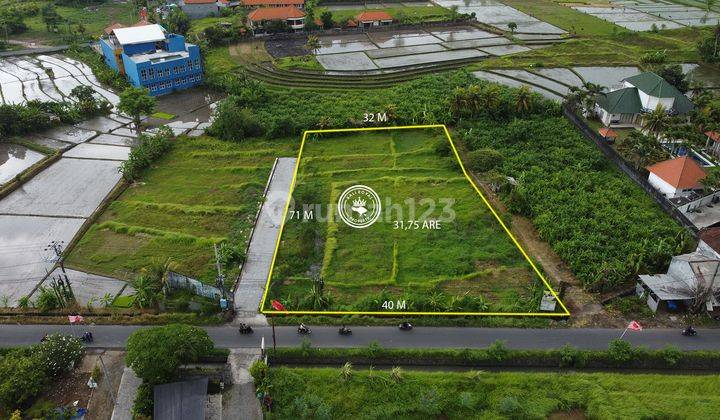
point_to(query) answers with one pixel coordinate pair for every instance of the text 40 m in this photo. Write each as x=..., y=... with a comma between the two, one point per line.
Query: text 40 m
x=397, y=305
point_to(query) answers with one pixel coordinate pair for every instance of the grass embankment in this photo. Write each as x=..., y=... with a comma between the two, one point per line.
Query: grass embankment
x=469, y=254
x=202, y=192
x=565, y=17
x=325, y=393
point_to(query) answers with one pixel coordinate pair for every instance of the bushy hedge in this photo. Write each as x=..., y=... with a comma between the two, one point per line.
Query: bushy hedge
x=25, y=372
x=149, y=149
x=620, y=354
x=102, y=71
x=17, y=120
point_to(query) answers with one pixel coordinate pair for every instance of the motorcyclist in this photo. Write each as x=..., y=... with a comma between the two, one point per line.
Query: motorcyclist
x=344, y=330
x=405, y=326
x=302, y=328
x=689, y=330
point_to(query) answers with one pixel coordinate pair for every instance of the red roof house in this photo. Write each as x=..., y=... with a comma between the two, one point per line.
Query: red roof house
x=294, y=17
x=677, y=176
x=373, y=18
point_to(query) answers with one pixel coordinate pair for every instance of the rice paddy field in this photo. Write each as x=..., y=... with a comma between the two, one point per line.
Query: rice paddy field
x=325, y=393
x=204, y=191
x=466, y=263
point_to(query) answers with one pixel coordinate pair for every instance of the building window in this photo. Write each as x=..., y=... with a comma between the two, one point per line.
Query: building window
x=151, y=73
x=153, y=87
x=175, y=70
x=143, y=74
x=177, y=82
x=190, y=64
x=197, y=62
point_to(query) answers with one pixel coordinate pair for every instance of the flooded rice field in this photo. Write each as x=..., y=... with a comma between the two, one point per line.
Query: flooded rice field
x=646, y=15
x=14, y=159
x=497, y=14
x=392, y=49
x=46, y=78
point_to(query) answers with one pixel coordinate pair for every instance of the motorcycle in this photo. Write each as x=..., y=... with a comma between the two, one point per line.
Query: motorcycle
x=344, y=331
x=689, y=332
x=302, y=329
x=245, y=329
x=87, y=337
x=405, y=326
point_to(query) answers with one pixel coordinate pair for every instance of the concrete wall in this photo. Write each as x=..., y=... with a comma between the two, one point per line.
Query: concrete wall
x=651, y=102
x=109, y=55
x=662, y=186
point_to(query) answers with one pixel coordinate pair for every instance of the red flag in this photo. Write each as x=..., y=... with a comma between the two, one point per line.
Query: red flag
x=277, y=305
x=635, y=326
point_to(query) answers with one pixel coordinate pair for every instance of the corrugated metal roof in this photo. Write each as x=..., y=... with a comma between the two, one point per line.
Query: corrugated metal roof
x=140, y=34
x=181, y=400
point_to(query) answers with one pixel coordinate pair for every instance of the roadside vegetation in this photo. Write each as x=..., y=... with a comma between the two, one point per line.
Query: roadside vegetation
x=349, y=393
x=26, y=372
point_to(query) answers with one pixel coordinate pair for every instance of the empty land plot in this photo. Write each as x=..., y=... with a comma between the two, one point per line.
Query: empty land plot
x=202, y=192
x=466, y=263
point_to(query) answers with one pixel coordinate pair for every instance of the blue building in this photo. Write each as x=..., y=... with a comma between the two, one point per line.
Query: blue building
x=152, y=58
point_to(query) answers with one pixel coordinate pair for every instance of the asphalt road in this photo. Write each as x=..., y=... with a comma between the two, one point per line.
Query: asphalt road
x=115, y=336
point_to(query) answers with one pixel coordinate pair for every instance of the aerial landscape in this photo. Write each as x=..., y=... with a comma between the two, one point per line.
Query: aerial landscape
x=331, y=209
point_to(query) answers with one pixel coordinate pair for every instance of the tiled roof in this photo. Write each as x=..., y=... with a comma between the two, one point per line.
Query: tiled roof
x=607, y=132
x=654, y=85
x=275, y=13
x=272, y=2
x=711, y=236
x=373, y=16
x=682, y=172
x=621, y=101
x=199, y=1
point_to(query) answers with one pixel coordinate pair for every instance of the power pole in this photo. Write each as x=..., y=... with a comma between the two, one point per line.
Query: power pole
x=57, y=247
x=220, y=279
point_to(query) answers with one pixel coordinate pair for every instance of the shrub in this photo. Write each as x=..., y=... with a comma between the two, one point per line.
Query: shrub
x=346, y=371
x=671, y=355
x=155, y=354
x=234, y=122
x=571, y=357
x=47, y=300
x=620, y=351
x=484, y=160
x=259, y=370
x=149, y=149
x=20, y=380
x=497, y=350
x=59, y=354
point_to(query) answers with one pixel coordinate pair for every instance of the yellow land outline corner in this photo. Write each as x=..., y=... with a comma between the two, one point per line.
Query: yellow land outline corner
x=565, y=312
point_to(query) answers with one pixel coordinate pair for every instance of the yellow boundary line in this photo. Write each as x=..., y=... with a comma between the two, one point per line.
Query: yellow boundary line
x=565, y=312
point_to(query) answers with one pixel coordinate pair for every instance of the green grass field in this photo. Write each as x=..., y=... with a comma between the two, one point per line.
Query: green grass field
x=94, y=17
x=362, y=268
x=202, y=192
x=322, y=393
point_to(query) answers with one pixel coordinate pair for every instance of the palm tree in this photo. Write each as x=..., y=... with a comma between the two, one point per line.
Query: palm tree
x=523, y=99
x=146, y=291
x=489, y=99
x=313, y=44
x=656, y=121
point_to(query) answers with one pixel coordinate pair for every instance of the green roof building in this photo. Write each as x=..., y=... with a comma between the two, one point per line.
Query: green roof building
x=640, y=93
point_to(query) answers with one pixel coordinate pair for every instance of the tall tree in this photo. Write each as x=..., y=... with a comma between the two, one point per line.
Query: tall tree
x=327, y=20
x=523, y=100
x=657, y=121
x=136, y=102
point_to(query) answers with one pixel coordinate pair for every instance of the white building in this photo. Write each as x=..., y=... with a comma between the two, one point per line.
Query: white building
x=676, y=177
x=640, y=93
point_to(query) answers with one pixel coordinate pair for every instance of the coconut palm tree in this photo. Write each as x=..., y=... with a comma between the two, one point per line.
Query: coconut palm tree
x=657, y=121
x=523, y=100
x=313, y=44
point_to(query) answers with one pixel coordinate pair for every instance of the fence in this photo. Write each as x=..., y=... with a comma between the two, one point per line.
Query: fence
x=178, y=281
x=635, y=175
